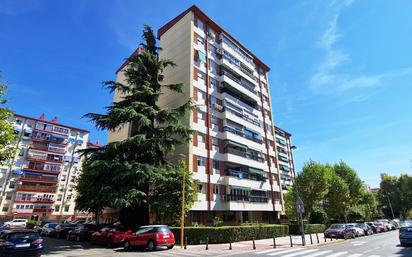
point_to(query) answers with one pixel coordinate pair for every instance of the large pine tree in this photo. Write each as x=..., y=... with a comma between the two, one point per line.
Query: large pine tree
x=135, y=162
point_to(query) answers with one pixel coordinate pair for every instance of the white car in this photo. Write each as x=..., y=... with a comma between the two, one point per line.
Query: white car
x=16, y=223
x=359, y=231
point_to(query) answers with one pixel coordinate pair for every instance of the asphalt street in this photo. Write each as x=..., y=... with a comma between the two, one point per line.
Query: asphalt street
x=380, y=245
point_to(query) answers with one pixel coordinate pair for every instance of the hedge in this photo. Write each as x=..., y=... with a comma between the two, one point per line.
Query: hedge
x=226, y=234
x=309, y=228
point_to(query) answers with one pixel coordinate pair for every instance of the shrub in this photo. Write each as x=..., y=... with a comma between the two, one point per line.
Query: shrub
x=318, y=216
x=226, y=234
x=31, y=224
x=309, y=228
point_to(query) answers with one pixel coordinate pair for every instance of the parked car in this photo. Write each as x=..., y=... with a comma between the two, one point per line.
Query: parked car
x=44, y=222
x=82, y=232
x=16, y=223
x=382, y=227
x=358, y=231
x=150, y=237
x=405, y=223
x=61, y=230
x=110, y=235
x=48, y=228
x=339, y=231
x=389, y=225
x=376, y=229
x=366, y=228
x=20, y=242
x=405, y=235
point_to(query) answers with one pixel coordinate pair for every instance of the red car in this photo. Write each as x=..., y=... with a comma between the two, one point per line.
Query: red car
x=150, y=237
x=110, y=236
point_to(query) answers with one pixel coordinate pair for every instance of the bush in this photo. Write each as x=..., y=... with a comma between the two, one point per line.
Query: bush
x=31, y=224
x=226, y=234
x=309, y=228
x=318, y=216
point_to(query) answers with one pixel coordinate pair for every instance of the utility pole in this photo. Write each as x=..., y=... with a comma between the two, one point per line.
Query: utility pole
x=300, y=207
x=182, y=218
x=390, y=206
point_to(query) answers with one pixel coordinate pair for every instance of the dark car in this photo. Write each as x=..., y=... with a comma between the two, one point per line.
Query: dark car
x=20, y=242
x=382, y=227
x=340, y=231
x=47, y=229
x=405, y=235
x=110, y=235
x=366, y=228
x=82, y=232
x=61, y=230
x=374, y=227
x=150, y=237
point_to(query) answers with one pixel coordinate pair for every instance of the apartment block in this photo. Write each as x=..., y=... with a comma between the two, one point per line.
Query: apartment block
x=39, y=181
x=234, y=152
x=285, y=157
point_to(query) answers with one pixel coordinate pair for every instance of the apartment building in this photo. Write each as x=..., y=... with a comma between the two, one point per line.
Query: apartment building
x=234, y=152
x=285, y=157
x=39, y=181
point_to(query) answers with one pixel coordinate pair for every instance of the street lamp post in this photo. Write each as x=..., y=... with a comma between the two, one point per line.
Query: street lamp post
x=300, y=207
x=182, y=218
x=390, y=206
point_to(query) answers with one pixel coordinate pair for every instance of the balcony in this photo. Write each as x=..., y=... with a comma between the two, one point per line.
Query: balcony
x=241, y=115
x=40, y=166
x=44, y=179
x=246, y=198
x=45, y=158
x=246, y=154
x=239, y=81
x=34, y=200
x=49, y=138
x=37, y=188
x=43, y=210
x=242, y=134
x=245, y=175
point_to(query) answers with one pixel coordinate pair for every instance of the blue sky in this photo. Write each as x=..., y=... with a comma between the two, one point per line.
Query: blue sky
x=341, y=71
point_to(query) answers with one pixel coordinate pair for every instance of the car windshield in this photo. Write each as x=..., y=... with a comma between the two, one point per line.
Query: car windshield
x=52, y=225
x=23, y=235
x=336, y=226
x=163, y=229
x=350, y=225
x=359, y=225
x=406, y=230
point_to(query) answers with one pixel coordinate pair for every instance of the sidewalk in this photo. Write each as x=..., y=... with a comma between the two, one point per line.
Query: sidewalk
x=260, y=245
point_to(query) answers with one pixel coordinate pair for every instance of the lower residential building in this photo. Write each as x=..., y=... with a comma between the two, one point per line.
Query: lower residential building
x=234, y=154
x=39, y=181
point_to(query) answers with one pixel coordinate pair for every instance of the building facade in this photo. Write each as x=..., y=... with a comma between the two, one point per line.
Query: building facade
x=234, y=152
x=285, y=157
x=39, y=181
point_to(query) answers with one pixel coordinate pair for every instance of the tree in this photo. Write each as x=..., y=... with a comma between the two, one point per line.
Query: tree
x=137, y=161
x=351, y=178
x=338, y=199
x=7, y=135
x=166, y=196
x=290, y=204
x=396, y=191
x=369, y=206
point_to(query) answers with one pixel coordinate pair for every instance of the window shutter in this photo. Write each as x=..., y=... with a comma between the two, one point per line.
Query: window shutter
x=220, y=124
x=195, y=138
x=195, y=37
x=195, y=116
x=221, y=146
x=195, y=93
x=194, y=163
x=195, y=75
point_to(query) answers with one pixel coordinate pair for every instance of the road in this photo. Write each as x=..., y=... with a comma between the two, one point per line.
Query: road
x=381, y=245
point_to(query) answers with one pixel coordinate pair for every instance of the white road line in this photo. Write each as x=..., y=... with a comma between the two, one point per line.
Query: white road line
x=355, y=255
x=374, y=256
x=337, y=254
x=319, y=253
x=301, y=253
x=286, y=251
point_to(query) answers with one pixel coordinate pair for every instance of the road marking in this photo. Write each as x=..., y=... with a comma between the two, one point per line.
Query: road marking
x=304, y=252
x=286, y=251
x=337, y=254
x=318, y=253
x=374, y=256
x=355, y=255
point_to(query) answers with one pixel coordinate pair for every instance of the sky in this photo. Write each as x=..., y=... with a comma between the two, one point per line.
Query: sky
x=340, y=78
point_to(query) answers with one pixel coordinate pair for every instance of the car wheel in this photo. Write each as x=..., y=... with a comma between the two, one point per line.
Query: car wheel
x=151, y=245
x=170, y=247
x=109, y=243
x=93, y=241
x=126, y=245
x=353, y=235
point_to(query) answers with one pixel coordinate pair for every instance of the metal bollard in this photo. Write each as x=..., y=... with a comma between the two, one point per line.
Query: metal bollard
x=253, y=240
x=274, y=241
x=331, y=237
x=185, y=242
x=207, y=243
x=303, y=241
x=317, y=237
x=311, y=242
x=291, y=244
x=230, y=245
x=324, y=237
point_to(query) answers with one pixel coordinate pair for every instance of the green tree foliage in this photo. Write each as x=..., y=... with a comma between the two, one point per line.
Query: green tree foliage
x=351, y=178
x=313, y=184
x=369, y=205
x=338, y=199
x=137, y=162
x=7, y=135
x=397, y=190
x=290, y=204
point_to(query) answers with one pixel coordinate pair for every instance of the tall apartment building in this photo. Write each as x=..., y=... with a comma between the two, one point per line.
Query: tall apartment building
x=285, y=157
x=233, y=154
x=39, y=181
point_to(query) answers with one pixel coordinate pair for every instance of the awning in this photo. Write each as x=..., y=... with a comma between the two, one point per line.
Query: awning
x=202, y=56
x=257, y=171
x=236, y=144
x=240, y=187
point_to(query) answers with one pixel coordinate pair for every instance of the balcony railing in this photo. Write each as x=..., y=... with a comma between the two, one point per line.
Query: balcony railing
x=34, y=200
x=43, y=166
x=245, y=175
x=45, y=158
x=243, y=116
x=242, y=134
x=42, y=210
x=46, y=189
x=245, y=154
x=241, y=82
x=39, y=178
x=245, y=198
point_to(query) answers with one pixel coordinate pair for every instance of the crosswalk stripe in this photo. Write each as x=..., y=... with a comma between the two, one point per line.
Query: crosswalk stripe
x=337, y=254
x=301, y=253
x=374, y=255
x=286, y=251
x=318, y=253
x=355, y=255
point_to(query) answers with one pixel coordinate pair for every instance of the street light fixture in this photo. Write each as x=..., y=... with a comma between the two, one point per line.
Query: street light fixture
x=300, y=207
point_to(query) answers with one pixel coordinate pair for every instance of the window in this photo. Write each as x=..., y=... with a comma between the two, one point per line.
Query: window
x=57, y=207
x=216, y=189
x=8, y=196
x=216, y=165
x=201, y=115
x=201, y=75
x=59, y=197
x=66, y=208
x=199, y=188
x=201, y=161
x=213, y=84
x=213, y=67
x=200, y=94
x=5, y=208
x=200, y=138
x=18, y=121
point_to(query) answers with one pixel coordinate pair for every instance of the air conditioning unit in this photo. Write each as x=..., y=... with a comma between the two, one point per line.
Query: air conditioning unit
x=218, y=107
